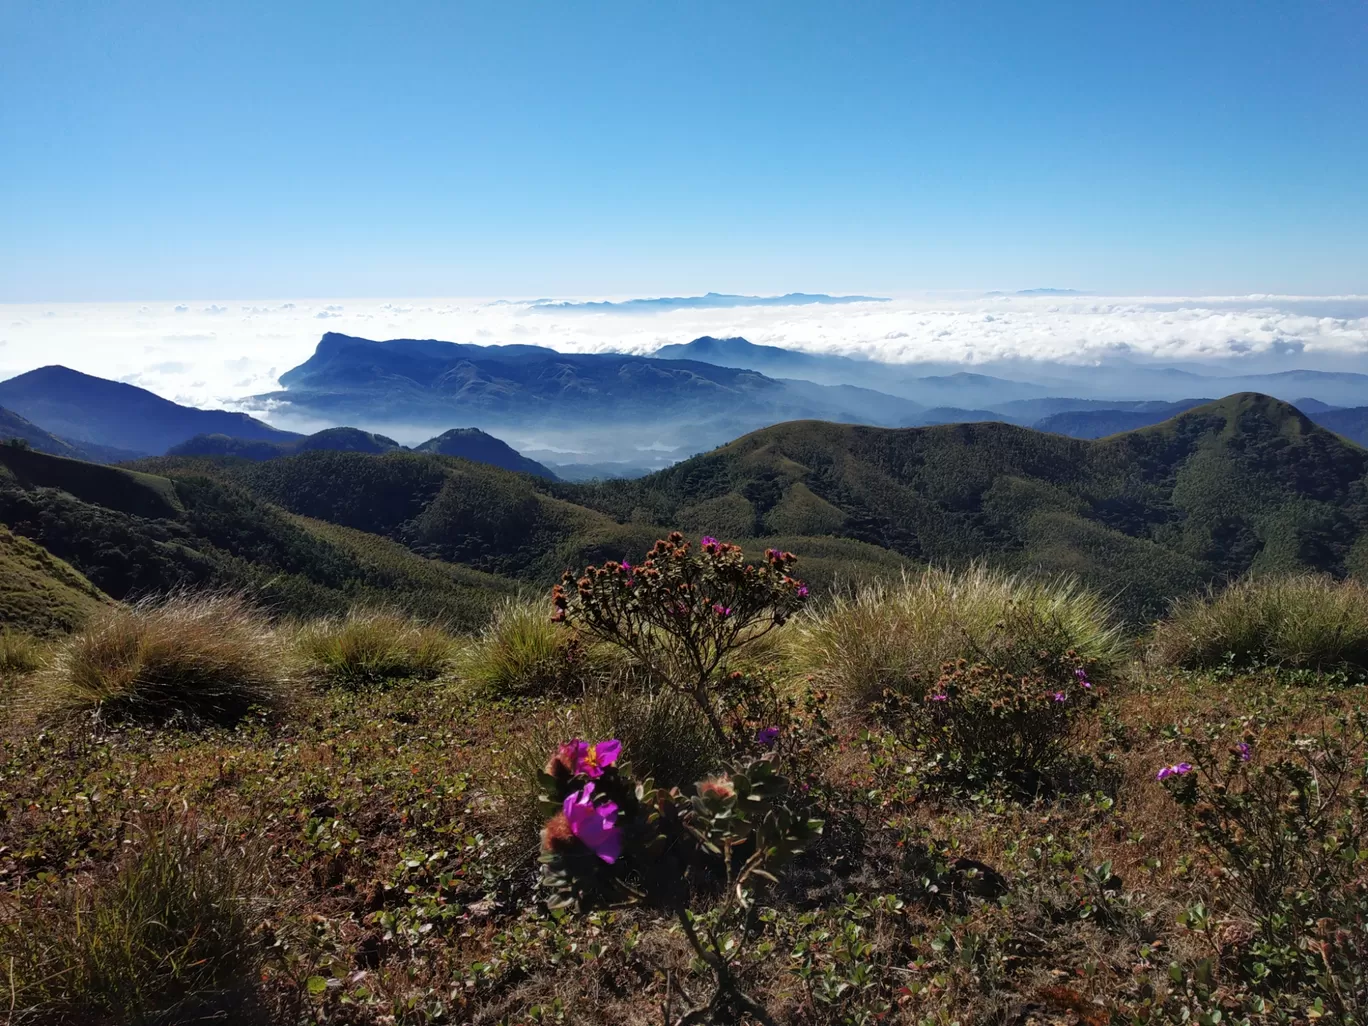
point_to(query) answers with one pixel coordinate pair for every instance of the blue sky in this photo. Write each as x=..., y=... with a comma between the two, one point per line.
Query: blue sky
x=156, y=150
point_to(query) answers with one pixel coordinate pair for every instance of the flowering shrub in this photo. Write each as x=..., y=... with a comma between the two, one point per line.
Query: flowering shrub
x=681, y=612
x=985, y=717
x=1287, y=831
x=611, y=836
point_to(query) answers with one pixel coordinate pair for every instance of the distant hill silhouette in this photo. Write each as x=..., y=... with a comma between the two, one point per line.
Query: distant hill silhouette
x=13, y=426
x=711, y=301
x=603, y=406
x=467, y=443
x=479, y=447
x=343, y=439
x=84, y=408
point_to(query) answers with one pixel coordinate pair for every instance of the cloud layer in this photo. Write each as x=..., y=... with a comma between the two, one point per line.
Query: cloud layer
x=210, y=353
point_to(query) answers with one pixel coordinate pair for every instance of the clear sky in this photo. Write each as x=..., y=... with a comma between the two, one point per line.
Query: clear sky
x=153, y=150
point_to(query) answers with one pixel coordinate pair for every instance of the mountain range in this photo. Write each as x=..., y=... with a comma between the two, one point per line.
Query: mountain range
x=579, y=416
x=1247, y=483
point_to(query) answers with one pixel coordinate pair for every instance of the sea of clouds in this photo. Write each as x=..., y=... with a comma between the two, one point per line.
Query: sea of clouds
x=214, y=353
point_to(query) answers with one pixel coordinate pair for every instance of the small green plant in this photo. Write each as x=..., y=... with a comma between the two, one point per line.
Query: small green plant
x=1287, y=830
x=373, y=646
x=612, y=836
x=167, y=938
x=682, y=612
x=201, y=659
x=1303, y=622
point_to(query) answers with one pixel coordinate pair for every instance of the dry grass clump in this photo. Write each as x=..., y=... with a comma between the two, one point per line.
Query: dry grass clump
x=201, y=659
x=1296, y=621
x=896, y=636
x=166, y=938
x=522, y=653
x=372, y=646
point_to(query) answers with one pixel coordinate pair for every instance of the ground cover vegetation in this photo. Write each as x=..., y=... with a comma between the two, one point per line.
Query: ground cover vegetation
x=680, y=787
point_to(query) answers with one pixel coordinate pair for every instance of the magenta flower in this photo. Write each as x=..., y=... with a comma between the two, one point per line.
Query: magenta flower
x=802, y=591
x=709, y=543
x=594, y=825
x=627, y=566
x=1082, y=676
x=1243, y=751
x=767, y=736
x=1059, y=696
x=938, y=698
x=593, y=759
x=721, y=610
x=1174, y=771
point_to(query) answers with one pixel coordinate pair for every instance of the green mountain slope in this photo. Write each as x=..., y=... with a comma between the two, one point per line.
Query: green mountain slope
x=1246, y=483
x=40, y=593
x=132, y=533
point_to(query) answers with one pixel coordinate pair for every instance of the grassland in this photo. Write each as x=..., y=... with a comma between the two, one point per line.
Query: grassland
x=365, y=855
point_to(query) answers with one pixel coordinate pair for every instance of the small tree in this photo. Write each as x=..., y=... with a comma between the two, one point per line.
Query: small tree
x=682, y=612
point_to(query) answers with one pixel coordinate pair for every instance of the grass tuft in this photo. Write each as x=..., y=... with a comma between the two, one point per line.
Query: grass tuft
x=1298, y=622
x=897, y=636
x=201, y=659
x=20, y=653
x=373, y=646
x=522, y=653
x=166, y=938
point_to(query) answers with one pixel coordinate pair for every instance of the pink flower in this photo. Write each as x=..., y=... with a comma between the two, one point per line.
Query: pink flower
x=1174, y=771
x=1059, y=696
x=626, y=566
x=594, y=825
x=802, y=591
x=710, y=543
x=1082, y=676
x=593, y=759
x=938, y=698
x=721, y=610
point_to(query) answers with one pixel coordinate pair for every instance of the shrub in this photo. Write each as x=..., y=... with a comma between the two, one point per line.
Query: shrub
x=897, y=637
x=1303, y=621
x=522, y=653
x=1002, y=719
x=681, y=613
x=20, y=653
x=1286, y=825
x=204, y=659
x=167, y=938
x=370, y=646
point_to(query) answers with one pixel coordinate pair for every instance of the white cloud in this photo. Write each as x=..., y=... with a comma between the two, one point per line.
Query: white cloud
x=1255, y=333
